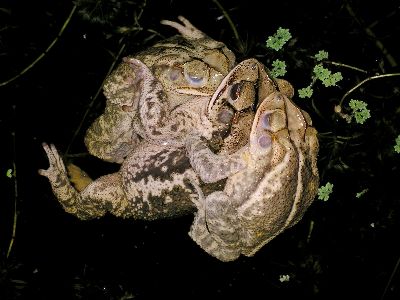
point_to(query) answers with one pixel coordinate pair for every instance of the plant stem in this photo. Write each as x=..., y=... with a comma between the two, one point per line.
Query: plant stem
x=228, y=18
x=392, y=62
x=364, y=81
x=345, y=66
x=390, y=278
x=14, y=228
x=44, y=52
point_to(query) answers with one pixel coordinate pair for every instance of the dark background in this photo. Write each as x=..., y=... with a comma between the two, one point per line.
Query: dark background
x=352, y=248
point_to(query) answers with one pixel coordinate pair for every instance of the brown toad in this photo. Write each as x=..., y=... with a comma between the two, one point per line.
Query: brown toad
x=179, y=74
x=156, y=180
x=270, y=193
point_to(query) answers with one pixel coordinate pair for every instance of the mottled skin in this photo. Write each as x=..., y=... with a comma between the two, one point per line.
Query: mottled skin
x=179, y=74
x=270, y=193
x=157, y=181
x=153, y=181
x=161, y=104
x=236, y=98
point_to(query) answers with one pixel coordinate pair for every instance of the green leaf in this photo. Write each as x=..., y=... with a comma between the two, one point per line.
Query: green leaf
x=9, y=173
x=332, y=79
x=278, y=68
x=397, y=146
x=326, y=76
x=360, y=111
x=321, y=55
x=306, y=92
x=321, y=73
x=280, y=38
x=325, y=191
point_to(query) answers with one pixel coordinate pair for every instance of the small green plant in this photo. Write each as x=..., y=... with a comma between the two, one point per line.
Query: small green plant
x=321, y=55
x=276, y=42
x=306, y=92
x=279, y=39
x=322, y=74
x=278, y=68
x=325, y=191
x=360, y=111
x=397, y=146
x=9, y=173
x=326, y=76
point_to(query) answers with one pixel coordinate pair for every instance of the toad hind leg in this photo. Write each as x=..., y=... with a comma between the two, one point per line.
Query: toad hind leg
x=100, y=196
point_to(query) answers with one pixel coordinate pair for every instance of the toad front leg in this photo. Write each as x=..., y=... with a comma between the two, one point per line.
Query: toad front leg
x=102, y=195
x=209, y=166
x=213, y=228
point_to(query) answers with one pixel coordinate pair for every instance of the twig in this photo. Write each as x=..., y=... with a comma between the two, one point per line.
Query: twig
x=310, y=230
x=228, y=18
x=14, y=228
x=364, y=81
x=390, y=278
x=345, y=66
x=370, y=33
x=44, y=52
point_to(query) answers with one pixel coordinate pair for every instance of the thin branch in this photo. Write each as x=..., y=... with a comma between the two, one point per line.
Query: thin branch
x=15, y=217
x=14, y=174
x=44, y=52
x=228, y=18
x=390, y=278
x=370, y=33
x=345, y=66
x=364, y=81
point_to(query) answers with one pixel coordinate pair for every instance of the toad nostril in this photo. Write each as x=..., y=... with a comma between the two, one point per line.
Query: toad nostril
x=264, y=141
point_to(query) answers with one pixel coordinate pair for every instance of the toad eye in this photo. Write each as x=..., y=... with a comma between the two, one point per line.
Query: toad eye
x=194, y=79
x=196, y=73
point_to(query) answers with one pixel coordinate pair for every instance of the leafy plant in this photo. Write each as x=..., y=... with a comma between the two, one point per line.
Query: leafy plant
x=397, y=146
x=325, y=191
x=279, y=39
x=360, y=111
x=306, y=92
x=278, y=68
x=325, y=75
x=321, y=55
